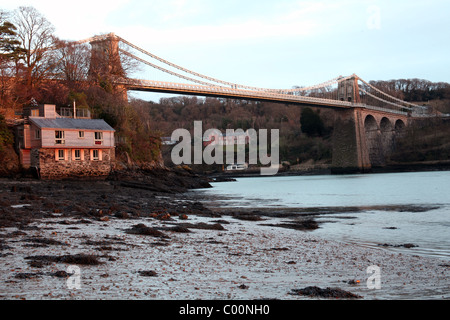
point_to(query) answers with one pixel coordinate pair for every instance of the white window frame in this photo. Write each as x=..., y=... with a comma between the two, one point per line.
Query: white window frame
x=75, y=157
x=99, y=156
x=61, y=155
x=80, y=134
x=60, y=139
x=98, y=137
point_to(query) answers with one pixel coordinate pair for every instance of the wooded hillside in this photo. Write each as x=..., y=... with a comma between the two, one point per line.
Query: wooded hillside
x=38, y=68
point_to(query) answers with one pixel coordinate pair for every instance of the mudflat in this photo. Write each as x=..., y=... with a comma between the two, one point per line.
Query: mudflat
x=140, y=238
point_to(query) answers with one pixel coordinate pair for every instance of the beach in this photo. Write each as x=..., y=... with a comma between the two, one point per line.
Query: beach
x=130, y=240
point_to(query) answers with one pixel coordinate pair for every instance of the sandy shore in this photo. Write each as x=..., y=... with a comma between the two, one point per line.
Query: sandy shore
x=133, y=243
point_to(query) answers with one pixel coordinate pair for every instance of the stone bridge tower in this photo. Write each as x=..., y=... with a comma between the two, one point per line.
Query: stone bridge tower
x=106, y=65
x=348, y=90
x=363, y=138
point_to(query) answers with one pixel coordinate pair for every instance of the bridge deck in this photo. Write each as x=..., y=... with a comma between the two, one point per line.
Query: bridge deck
x=224, y=92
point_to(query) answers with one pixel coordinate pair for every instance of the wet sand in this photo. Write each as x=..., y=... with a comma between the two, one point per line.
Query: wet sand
x=132, y=240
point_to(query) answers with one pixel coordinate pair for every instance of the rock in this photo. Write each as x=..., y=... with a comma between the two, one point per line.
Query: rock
x=27, y=275
x=406, y=245
x=325, y=293
x=146, y=231
x=179, y=229
x=148, y=273
x=203, y=225
x=302, y=225
x=163, y=216
x=60, y=274
x=82, y=259
x=247, y=217
x=122, y=215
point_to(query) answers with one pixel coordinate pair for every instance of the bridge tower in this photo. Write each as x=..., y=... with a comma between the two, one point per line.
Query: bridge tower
x=105, y=58
x=363, y=139
x=105, y=65
x=348, y=90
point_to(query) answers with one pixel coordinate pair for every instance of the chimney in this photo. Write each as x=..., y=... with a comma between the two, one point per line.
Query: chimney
x=50, y=111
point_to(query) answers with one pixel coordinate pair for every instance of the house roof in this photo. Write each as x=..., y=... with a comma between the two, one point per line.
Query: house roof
x=69, y=123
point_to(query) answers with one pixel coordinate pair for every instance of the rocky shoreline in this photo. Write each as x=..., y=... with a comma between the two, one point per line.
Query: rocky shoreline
x=139, y=235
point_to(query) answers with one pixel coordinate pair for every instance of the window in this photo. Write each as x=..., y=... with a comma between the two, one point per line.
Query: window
x=60, y=155
x=37, y=134
x=35, y=113
x=98, y=138
x=96, y=155
x=81, y=134
x=59, y=137
x=77, y=155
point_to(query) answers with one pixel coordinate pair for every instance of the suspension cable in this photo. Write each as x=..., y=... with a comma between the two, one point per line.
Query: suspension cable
x=385, y=101
x=174, y=65
x=234, y=85
x=393, y=98
x=165, y=70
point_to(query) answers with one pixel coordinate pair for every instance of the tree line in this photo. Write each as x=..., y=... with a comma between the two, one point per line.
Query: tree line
x=415, y=90
x=31, y=56
x=37, y=67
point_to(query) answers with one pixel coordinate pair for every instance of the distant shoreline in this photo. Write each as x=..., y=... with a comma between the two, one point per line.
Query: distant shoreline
x=392, y=168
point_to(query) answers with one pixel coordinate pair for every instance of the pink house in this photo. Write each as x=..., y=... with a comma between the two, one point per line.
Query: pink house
x=60, y=147
x=234, y=138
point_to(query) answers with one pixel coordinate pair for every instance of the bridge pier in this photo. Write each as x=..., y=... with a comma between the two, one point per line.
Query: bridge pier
x=106, y=66
x=350, y=152
x=363, y=139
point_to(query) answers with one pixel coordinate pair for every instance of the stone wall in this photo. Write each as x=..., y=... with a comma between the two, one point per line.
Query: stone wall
x=349, y=143
x=50, y=168
x=35, y=158
x=363, y=139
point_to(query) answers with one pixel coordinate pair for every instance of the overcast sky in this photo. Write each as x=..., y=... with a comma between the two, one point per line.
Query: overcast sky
x=271, y=44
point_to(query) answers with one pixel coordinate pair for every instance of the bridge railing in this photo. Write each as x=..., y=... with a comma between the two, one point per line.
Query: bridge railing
x=389, y=110
x=241, y=93
x=220, y=90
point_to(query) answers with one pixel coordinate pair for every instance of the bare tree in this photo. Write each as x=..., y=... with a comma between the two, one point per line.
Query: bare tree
x=72, y=62
x=35, y=33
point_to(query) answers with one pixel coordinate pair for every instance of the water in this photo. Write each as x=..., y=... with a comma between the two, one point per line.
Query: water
x=422, y=217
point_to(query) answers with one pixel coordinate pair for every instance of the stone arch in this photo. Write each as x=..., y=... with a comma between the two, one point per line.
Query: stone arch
x=370, y=124
x=399, y=130
x=385, y=125
x=399, y=127
x=387, y=136
x=373, y=139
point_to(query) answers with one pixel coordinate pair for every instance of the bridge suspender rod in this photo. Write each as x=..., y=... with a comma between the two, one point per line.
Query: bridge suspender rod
x=164, y=70
x=233, y=85
x=174, y=65
x=391, y=97
x=318, y=86
x=385, y=101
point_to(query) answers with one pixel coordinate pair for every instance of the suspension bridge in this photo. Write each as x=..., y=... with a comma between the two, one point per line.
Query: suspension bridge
x=340, y=92
x=367, y=119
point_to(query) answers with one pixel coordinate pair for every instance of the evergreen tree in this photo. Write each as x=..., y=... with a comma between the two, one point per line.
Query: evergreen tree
x=9, y=44
x=311, y=123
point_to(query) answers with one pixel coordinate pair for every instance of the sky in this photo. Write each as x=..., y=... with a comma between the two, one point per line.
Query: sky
x=268, y=43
